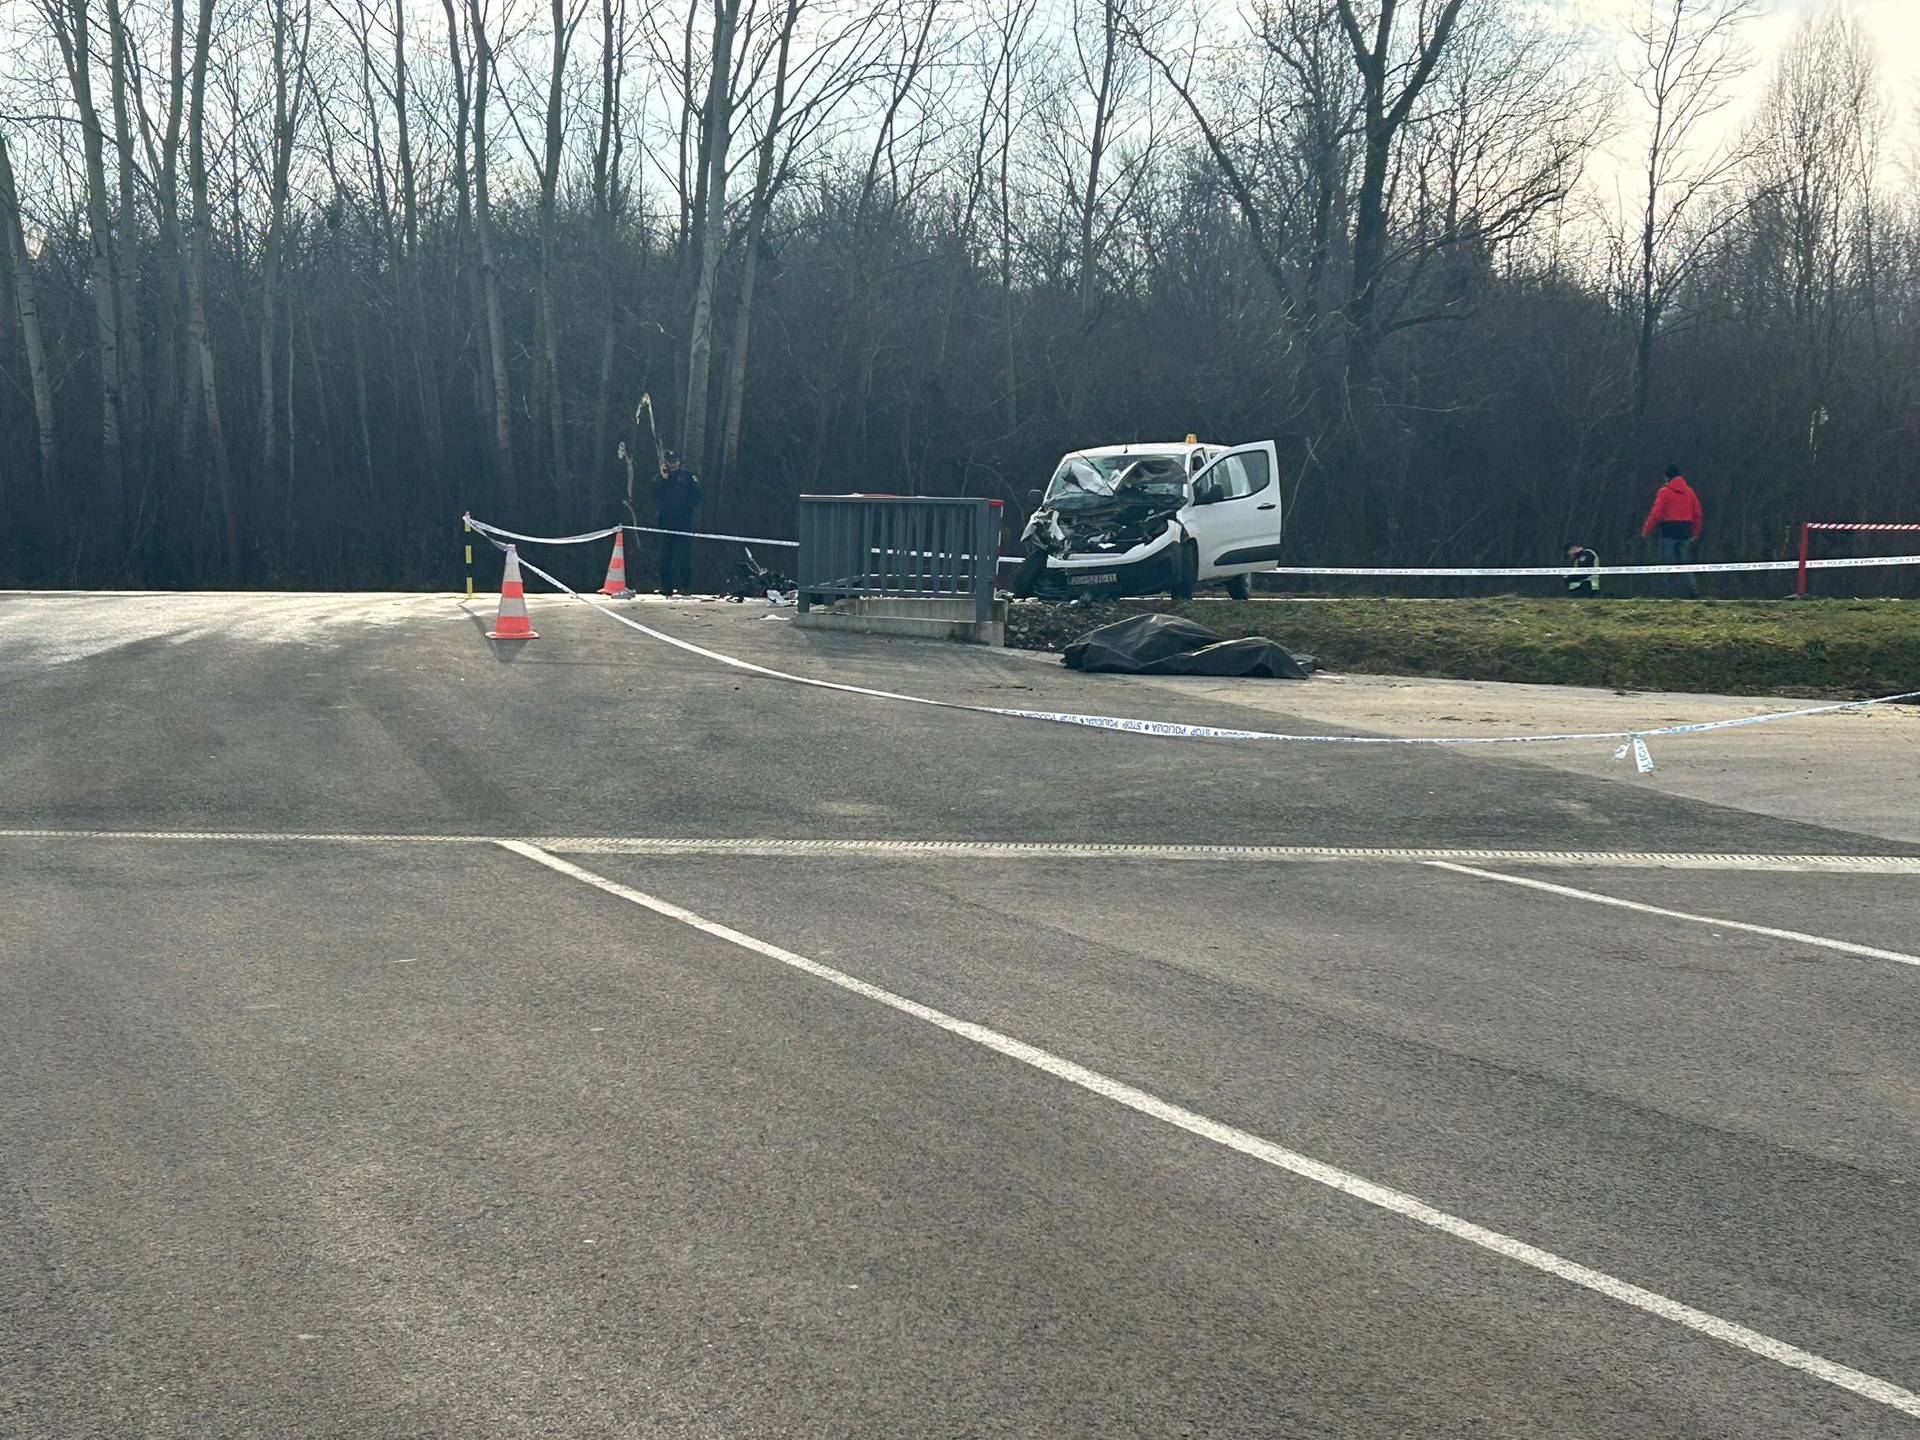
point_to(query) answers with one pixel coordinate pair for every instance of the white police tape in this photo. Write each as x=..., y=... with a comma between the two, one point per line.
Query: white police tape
x=703, y=535
x=1583, y=573
x=1633, y=741
x=1454, y=572
x=583, y=538
x=486, y=529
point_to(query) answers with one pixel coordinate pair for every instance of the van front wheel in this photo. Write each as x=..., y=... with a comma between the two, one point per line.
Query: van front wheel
x=1240, y=587
x=1186, y=570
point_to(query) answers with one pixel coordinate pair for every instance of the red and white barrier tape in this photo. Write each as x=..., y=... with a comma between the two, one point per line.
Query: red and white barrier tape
x=1857, y=525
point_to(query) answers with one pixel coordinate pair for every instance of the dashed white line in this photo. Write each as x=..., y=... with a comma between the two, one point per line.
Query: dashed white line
x=1397, y=1202
x=1844, y=947
x=771, y=847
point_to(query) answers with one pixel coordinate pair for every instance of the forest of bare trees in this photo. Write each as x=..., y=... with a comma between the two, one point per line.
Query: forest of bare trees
x=286, y=285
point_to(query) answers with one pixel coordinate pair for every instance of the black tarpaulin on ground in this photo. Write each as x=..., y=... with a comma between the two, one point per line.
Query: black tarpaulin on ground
x=1170, y=645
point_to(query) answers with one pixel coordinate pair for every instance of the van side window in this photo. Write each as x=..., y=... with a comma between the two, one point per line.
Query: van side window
x=1239, y=476
x=1256, y=470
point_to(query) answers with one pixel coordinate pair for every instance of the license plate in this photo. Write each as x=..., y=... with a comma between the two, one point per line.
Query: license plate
x=1108, y=579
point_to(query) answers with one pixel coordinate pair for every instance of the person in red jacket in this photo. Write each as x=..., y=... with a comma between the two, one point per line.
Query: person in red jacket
x=1675, y=519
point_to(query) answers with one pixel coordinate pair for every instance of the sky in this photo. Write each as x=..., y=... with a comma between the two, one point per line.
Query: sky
x=1893, y=24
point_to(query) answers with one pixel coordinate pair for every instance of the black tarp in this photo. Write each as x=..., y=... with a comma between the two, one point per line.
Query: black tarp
x=1170, y=645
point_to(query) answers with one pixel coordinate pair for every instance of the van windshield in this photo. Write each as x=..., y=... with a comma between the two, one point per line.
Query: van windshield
x=1084, y=480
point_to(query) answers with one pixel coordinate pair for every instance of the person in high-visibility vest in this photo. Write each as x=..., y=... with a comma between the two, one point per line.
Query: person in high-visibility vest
x=1582, y=583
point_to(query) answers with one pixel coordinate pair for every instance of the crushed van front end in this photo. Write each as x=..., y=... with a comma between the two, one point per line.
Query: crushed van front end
x=1120, y=549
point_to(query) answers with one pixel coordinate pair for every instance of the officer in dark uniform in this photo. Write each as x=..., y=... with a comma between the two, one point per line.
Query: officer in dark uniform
x=676, y=495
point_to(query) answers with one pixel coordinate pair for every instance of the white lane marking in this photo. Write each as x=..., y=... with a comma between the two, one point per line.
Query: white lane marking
x=1107, y=850
x=1396, y=1202
x=1845, y=947
x=770, y=847
x=250, y=837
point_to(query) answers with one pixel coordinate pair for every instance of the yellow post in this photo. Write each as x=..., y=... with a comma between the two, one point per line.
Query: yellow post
x=467, y=527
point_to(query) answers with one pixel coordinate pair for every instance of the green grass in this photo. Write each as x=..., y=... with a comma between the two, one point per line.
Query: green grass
x=1798, y=648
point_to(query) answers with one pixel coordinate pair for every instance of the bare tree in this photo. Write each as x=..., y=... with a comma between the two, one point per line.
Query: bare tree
x=565, y=17
x=609, y=204
x=1688, y=55
x=288, y=34
x=1103, y=139
x=716, y=137
x=26, y=298
x=765, y=187
x=425, y=372
x=806, y=93
x=199, y=334
x=73, y=30
x=1393, y=70
x=120, y=72
x=496, y=330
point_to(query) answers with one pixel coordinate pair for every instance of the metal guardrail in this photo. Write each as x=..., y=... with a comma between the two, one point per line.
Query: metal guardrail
x=913, y=546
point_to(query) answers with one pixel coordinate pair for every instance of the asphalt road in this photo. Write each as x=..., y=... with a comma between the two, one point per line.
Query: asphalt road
x=410, y=1137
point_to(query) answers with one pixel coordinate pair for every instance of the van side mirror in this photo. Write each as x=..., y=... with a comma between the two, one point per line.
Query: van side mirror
x=1033, y=497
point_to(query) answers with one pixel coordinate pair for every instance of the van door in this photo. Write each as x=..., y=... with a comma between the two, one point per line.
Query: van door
x=1236, y=511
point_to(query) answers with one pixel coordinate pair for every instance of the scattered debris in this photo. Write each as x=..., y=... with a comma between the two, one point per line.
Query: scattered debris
x=751, y=580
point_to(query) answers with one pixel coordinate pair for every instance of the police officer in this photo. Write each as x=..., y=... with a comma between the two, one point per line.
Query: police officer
x=676, y=495
x=1582, y=583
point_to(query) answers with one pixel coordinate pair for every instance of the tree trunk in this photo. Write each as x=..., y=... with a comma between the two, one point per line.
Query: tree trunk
x=549, y=361
x=606, y=207
x=489, y=273
x=764, y=182
x=73, y=31
x=1088, y=286
x=717, y=137
x=289, y=79
x=418, y=340
x=199, y=338
x=169, y=328
x=126, y=299
x=27, y=305
x=734, y=400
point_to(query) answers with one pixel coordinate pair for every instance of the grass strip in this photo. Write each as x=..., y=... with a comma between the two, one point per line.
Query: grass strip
x=1797, y=648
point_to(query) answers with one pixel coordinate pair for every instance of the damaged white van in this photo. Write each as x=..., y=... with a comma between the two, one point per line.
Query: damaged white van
x=1153, y=519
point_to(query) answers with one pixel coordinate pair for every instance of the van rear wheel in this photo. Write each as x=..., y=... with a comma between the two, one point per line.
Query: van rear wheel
x=1240, y=587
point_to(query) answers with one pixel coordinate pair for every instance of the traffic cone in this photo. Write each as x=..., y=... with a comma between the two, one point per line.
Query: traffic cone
x=615, y=585
x=512, y=623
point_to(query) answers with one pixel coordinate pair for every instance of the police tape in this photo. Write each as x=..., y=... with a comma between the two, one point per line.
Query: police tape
x=1581, y=573
x=1632, y=742
x=590, y=535
x=1455, y=572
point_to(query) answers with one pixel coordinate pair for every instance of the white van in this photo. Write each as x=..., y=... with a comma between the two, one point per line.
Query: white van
x=1148, y=519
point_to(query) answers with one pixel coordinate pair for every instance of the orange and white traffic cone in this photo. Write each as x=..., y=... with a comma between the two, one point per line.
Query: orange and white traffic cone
x=615, y=585
x=512, y=623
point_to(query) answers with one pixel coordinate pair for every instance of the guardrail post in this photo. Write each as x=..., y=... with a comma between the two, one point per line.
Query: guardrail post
x=1800, y=589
